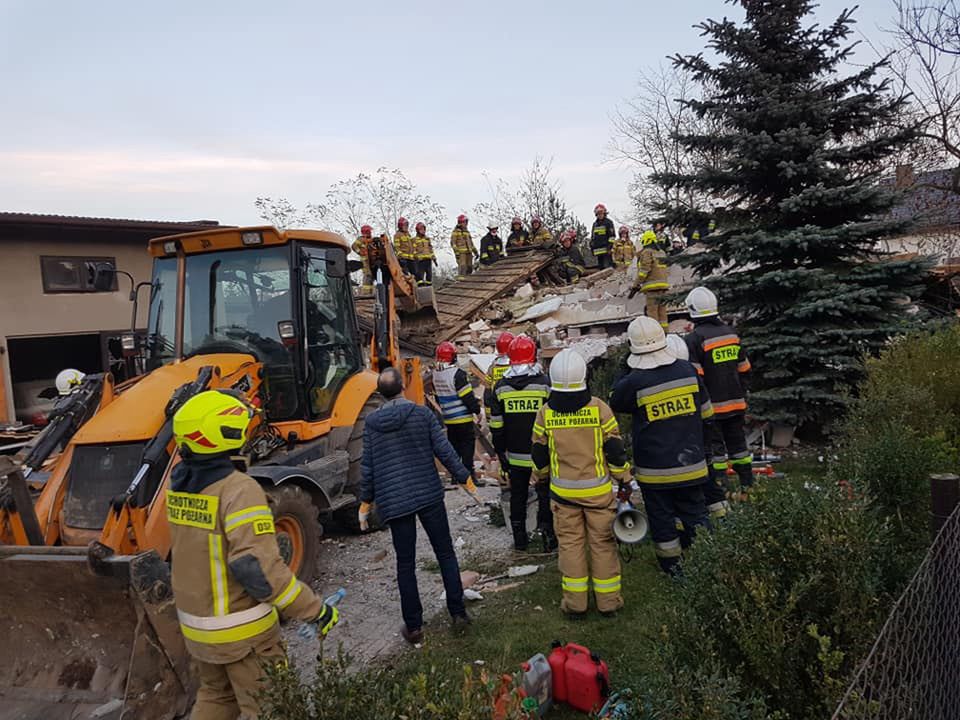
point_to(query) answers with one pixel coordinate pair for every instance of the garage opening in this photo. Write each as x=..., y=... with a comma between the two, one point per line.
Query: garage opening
x=35, y=362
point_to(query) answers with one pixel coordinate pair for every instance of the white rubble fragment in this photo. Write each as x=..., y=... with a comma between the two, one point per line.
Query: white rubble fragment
x=483, y=361
x=522, y=570
x=541, y=309
x=547, y=324
x=107, y=708
x=479, y=326
x=524, y=291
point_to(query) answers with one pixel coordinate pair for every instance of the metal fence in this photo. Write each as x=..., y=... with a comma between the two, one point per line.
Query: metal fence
x=913, y=669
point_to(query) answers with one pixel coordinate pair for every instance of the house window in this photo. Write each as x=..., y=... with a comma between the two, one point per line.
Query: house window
x=72, y=274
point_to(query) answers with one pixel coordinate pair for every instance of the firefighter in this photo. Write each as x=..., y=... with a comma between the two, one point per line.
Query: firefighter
x=425, y=257
x=577, y=445
x=491, y=246
x=518, y=239
x=570, y=266
x=602, y=237
x=652, y=277
x=516, y=400
x=230, y=584
x=403, y=247
x=360, y=247
x=463, y=248
x=716, y=353
x=623, y=250
x=498, y=368
x=457, y=402
x=668, y=404
x=713, y=493
x=539, y=235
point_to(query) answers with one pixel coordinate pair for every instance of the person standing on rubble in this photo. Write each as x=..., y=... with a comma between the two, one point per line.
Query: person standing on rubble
x=491, y=246
x=403, y=247
x=571, y=266
x=230, y=585
x=577, y=447
x=463, y=249
x=361, y=247
x=718, y=357
x=602, y=237
x=425, y=257
x=653, y=278
x=668, y=404
x=517, y=399
x=623, y=250
x=518, y=239
x=539, y=235
x=398, y=472
x=458, y=403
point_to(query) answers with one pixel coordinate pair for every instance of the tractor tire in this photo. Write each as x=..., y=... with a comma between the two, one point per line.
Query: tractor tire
x=347, y=517
x=298, y=529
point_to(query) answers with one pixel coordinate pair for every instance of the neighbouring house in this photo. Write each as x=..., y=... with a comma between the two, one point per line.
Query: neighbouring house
x=934, y=206
x=51, y=316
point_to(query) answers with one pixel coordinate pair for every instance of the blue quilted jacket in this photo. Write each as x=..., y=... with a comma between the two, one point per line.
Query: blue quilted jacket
x=398, y=471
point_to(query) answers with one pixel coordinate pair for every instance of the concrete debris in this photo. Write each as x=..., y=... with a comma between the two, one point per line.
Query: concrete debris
x=551, y=323
x=542, y=309
x=468, y=594
x=524, y=291
x=107, y=708
x=479, y=326
x=522, y=570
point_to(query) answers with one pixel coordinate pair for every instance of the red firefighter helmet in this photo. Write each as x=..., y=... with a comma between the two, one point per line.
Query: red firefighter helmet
x=366, y=231
x=599, y=208
x=624, y=230
x=421, y=227
x=535, y=220
x=503, y=342
x=570, y=235
x=461, y=219
x=516, y=221
x=402, y=223
x=522, y=351
x=446, y=352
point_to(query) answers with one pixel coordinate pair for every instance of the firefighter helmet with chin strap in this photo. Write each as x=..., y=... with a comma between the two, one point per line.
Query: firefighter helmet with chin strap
x=68, y=380
x=503, y=342
x=446, y=352
x=677, y=347
x=701, y=303
x=568, y=372
x=212, y=422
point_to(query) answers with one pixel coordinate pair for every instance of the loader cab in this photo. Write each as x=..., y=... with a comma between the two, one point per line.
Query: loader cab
x=282, y=297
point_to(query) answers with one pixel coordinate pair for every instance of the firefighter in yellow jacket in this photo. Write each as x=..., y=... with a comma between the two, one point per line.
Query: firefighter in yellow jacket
x=463, y=248
x=403, y=247
x=623, y=250
x=361, y=247
x=230, y=584
x=577, y=444
x=653, y=275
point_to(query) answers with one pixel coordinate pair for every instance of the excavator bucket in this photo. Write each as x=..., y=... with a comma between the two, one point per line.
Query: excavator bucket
x=76, y=642
x=418, y=311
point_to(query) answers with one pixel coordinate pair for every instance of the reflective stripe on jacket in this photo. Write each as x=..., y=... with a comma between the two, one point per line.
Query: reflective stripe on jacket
x=718, y=356
x=602, y=236
x=579, y=451
x=403, y=245
x=516, y=401
x=669, y=405
x=423, y=247
x=229, y=582
x=461, y=242
x=652, y=271
x=453, y=392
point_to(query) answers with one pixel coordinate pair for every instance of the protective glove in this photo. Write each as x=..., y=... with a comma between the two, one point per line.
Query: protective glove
x=435, y=263
x=327, y=619
x=363, y=515
x=470, y=486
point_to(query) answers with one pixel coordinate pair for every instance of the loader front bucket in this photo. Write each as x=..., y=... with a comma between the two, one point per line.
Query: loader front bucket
x=75, y=641
x=418, y=313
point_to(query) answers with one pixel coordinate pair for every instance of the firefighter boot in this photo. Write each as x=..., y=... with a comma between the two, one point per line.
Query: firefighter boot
x=520, y=539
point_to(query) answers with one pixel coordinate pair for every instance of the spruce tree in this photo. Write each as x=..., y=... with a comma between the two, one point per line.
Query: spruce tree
x=799, y=203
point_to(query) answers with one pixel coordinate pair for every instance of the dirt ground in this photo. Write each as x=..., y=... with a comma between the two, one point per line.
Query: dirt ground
x=365, y=565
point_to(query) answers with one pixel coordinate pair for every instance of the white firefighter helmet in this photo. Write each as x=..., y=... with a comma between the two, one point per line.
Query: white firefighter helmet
x=568, y=372
x=677, y=347
x=701, y=303
x=647, y=344
x=68, y=380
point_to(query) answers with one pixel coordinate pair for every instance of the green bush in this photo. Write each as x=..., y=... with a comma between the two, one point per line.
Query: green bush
x=601, y=378
x=784, y=598
x=336, y=692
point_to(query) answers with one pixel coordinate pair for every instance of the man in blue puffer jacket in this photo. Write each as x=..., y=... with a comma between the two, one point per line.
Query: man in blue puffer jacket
x=399, y=473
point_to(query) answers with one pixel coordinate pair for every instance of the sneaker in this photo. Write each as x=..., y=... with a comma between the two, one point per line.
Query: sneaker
x=414, y=637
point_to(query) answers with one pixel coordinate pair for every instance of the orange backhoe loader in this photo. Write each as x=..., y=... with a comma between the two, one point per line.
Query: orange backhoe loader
x=85, y=601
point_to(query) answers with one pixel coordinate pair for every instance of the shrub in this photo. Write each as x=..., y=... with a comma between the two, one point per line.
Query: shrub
x=784, y=598
x=429, y=692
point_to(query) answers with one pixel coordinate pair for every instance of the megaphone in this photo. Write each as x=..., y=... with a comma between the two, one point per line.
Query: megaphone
x=630, y=525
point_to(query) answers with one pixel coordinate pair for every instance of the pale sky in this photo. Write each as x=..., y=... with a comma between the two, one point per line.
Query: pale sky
x=188, y=109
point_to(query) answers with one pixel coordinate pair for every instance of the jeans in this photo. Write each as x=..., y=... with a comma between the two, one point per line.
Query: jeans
x=404, y=532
